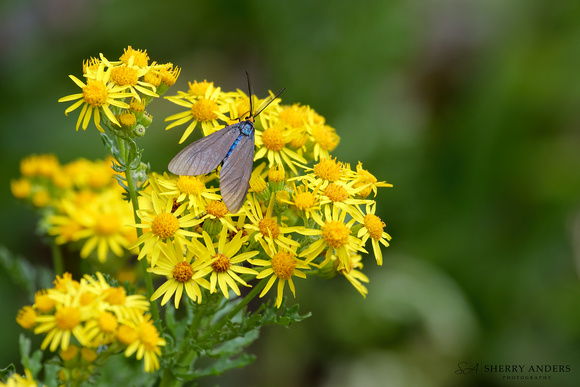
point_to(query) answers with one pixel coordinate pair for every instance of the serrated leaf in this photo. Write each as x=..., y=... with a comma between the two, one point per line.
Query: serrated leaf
x=235, y=346
x=224, y=364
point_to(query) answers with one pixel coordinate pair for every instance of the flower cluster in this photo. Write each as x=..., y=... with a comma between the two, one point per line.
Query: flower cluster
x=81, y=204
x=89, y=320
x=296, y=218
x=109, y=86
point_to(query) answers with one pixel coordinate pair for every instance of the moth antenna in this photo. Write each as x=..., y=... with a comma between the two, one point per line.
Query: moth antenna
x=250, y=94
x=269, y=102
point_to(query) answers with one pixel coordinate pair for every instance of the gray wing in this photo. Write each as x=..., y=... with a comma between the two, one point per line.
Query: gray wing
x=235, y=174
x=204, y=155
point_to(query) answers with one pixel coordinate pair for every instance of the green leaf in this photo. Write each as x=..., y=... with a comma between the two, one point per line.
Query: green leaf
x=6, y=372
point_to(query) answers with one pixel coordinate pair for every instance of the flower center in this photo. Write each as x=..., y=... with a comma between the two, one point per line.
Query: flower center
x=335, y=233
x=182, y=272
x=375, y=226
x=126, y=335
x=326, y=137
x=273, y=139
x=217, y=209
x=336, y=193
x=67, y=318
x=221, y=264
x=140, y=57
x=115, y=296
x=127, y=119
x=165, y=225
x=204, y=110
x=124, y=76
x=43, y=302
x=95, y=93
x=304, y=200
x=148, y=335
x=292, y=116
x=283, y=264
x=190, y=185
x=198, y=89
x=107, y=224
x=268, y=226
x=107, y=322
x=328, y=169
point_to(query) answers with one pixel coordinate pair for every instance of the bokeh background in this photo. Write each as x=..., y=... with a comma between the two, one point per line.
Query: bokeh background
x=470, y=108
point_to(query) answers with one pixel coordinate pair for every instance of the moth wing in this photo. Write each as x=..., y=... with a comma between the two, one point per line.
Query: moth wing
x=235, y=174
x=204, y=155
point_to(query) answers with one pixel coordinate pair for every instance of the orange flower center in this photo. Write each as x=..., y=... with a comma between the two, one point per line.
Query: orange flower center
x=328, y=169
x=190, y=185
x=67, y=318
x=217, y=209
x=165, y=225
x=375, y=226
x=182, y=272
x=335, y=233
x=336, y=193
x=124, y=76
x=326, y=137
x=204, y=110
x=268, y=226
x=283, y=264
x=140, y=57
x=304, y=200
x=107, y=322
x=221, y=264
x=273, y=139
x=148, y=335
x=115, y=296
x=95, y=93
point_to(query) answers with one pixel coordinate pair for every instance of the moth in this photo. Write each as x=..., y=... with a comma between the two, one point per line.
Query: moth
x=233, y=148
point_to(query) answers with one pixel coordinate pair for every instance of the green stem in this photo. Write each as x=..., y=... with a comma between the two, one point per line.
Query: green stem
x=57, y=260
x=135, y=203
x=249, y=297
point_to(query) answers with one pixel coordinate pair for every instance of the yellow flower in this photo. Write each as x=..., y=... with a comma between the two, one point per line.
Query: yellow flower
x=189, y=189
x=115, y=299
x=179, y=271
x=282, y=265
x=341, y=195
x=16, y=380
x=265, y=225
x=366, y=181
x=102, y=222
x=129, y=74
x=164, y=224
x=206, y=109
x=223, y=262
x=271, y=143
x=372, y=227
x=26, y=317
x=21, y=188
x=354, y=276
x=64, y=324
x=334, y=237
x=97, y=95
x=325, y=141
x=143, y=339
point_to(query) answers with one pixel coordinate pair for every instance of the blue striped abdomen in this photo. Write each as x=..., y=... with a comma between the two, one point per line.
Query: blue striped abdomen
x=246, y=129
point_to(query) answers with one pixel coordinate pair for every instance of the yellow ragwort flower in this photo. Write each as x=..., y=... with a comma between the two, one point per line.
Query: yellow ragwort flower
x=97, y=95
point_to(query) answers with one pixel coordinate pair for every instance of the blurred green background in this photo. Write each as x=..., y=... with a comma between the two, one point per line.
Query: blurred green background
x=471, y=110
